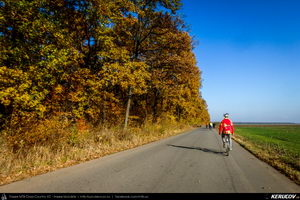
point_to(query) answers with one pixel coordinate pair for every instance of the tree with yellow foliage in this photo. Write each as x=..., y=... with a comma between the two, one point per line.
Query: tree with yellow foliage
x=99, y=61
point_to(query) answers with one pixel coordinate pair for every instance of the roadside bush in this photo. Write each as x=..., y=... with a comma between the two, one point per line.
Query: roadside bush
x=49, y=131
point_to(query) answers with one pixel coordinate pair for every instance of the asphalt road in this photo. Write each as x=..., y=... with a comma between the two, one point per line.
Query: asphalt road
x=192, y=162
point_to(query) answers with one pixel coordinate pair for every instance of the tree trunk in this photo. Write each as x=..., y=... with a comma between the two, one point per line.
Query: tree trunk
x=154, y=106
x=128, y=108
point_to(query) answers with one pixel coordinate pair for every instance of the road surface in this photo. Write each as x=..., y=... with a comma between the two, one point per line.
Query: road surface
x=192, y=162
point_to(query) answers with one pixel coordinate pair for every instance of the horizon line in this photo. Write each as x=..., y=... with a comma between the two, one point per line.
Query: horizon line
x=241, y=122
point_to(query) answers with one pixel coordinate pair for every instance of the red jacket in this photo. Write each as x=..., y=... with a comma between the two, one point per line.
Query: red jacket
x=226, y=126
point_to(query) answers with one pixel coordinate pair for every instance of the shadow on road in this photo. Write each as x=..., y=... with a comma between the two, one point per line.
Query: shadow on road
x=199, y=148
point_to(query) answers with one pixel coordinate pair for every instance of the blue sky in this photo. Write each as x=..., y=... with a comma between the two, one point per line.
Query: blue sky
x=249, y=55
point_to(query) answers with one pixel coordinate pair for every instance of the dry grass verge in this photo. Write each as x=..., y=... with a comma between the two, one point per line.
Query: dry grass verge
x=90, y=145
x=270, y=157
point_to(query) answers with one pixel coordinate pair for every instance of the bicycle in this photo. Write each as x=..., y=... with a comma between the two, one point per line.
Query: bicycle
x=227, y=144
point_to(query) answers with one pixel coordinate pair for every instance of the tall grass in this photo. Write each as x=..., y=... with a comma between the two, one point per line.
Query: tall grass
x=76, y=144
x=277, y=145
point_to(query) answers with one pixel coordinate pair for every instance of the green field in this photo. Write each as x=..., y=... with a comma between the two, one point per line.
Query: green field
x=278, y=142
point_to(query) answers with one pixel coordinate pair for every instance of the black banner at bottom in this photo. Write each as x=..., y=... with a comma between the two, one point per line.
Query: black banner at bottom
x=150, y=196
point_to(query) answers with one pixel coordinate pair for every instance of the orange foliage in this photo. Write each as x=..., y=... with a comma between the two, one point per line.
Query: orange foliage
x=82, y=61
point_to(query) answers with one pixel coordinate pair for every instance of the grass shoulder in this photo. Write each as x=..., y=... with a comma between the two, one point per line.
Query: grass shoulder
x=79, y=146
x=279, y=146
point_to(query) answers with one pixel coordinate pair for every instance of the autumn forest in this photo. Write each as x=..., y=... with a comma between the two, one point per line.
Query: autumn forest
x=95, y=63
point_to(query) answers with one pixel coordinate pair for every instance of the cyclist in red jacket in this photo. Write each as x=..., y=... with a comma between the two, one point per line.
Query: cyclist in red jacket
x=226, y=127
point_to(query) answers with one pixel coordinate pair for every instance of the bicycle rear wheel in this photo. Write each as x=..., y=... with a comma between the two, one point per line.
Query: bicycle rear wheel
x=227, y=151
x=227, y=145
